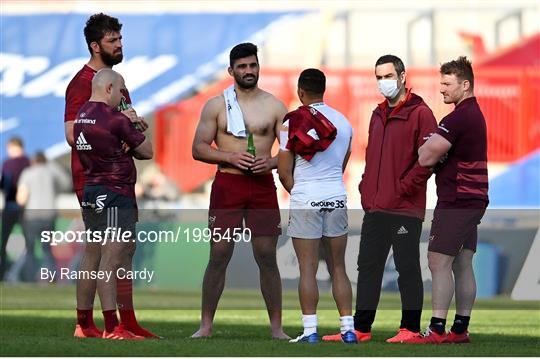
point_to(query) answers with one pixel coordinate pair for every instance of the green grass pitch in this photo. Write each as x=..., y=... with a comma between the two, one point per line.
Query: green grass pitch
x=39, y=321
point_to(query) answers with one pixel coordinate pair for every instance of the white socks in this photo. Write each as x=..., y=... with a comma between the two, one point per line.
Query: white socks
x=347, y=323
x=310, y=324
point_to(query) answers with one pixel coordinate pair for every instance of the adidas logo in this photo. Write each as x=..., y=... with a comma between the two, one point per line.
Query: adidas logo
x=402, y=230
x=82, y=145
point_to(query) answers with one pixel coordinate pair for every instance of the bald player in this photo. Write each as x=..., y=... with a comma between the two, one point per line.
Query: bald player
x=109, y=204
x=104, y=40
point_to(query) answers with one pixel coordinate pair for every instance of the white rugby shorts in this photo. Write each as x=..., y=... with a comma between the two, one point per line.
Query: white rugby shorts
x=315, y=219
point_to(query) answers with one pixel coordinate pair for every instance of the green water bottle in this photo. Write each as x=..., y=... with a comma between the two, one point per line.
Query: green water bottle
x=251, y=146
x=123, y=104
x=126, y=106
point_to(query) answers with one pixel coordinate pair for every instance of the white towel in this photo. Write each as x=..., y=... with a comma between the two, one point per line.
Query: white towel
x=235, y=118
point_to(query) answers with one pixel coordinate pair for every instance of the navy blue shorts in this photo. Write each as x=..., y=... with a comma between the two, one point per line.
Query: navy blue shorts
x=103, y=208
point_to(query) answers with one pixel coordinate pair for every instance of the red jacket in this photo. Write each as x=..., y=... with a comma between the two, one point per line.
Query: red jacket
x=309, y=132
x=393, y=181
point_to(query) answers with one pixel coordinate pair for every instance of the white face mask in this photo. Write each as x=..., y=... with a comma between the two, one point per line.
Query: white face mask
x=388, y=88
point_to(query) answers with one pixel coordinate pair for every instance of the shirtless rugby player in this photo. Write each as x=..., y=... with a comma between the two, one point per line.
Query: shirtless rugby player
x=243, y=189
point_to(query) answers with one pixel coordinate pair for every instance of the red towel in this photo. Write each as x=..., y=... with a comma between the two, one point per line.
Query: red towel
x=305, y=122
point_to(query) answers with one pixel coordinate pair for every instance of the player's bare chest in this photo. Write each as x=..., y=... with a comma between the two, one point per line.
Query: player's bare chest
x=257, y=121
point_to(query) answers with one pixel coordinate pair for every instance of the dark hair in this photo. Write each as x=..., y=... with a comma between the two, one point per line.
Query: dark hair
x=99, y=25
x=396, y=61
x=240, y=51
x=312, y=81
x=17, y=141
x=461, y=67
x=39, y=157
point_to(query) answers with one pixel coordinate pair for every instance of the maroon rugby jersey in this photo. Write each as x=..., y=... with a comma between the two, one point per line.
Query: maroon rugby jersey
x=77, y=93
x=463, y=174
x=99, y=132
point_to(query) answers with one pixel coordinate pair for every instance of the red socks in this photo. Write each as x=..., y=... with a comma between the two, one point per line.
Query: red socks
x=85, y=318
x=111, y=320
x=124, y=300
x=127, y=317
x=130, y=322
x=124, y=294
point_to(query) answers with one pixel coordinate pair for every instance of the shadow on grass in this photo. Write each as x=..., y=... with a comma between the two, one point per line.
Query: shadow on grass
x=52, y=336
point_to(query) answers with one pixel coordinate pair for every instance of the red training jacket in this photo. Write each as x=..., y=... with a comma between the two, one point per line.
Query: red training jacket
x=393, y=181
x=302, y=122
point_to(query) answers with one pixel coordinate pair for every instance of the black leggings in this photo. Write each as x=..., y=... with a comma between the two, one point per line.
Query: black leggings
x=380, y=231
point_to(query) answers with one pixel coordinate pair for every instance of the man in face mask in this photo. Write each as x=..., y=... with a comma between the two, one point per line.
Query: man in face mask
x=393, y=193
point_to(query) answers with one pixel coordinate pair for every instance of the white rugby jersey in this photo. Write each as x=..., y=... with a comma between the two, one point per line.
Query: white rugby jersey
x=322, y=177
